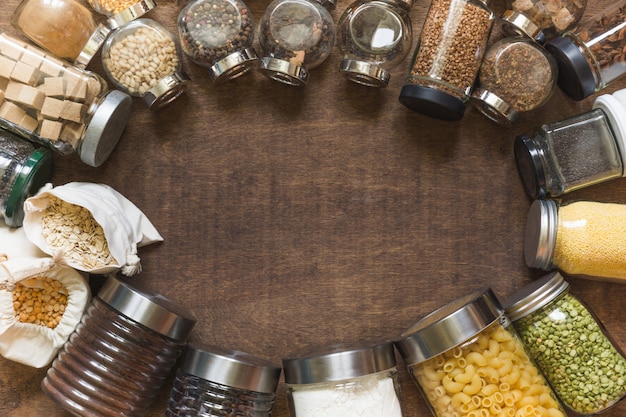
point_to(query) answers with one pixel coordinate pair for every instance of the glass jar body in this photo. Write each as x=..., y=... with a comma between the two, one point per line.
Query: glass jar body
x=122, y=11
x=374, y=36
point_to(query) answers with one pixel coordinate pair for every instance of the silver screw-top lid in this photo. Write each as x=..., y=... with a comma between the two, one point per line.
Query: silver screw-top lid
x=131, y=13
x=92, y=46
x=166, y=90
x=339, y=365
x=540, y=234
x=535, y=295
x=365, y=73
x=449, y=326
x=492, y=106
x=234, y=65
x=284, y=71
x=232, y=368
x=149, y=309
x=516, y=23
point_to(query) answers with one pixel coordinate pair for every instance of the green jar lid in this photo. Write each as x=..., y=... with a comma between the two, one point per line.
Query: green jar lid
x=535, y=295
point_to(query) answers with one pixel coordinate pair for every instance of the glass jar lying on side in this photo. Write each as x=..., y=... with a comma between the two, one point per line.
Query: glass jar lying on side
x=122, y=11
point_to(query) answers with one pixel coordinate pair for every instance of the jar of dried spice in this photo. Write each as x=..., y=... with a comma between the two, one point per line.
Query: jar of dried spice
x=569, y=344
x=541, y=19
x=23, y=171
x=591, y=55
x=218, y=34
x=223, y=382
x=295, y=36
x=67, y=28
x=65, y=108
x=579, y=238
x=446, y=61
x=120, y=354
x=374, y=36
x=516, y=75
x=577, y=152
x=467, y=360
x=121, y=12
x=143, y=59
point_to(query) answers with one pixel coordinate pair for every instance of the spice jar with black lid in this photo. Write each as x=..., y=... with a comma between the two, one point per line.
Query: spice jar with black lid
x=218, y=35
x=143, y=59
x=466, y=356
x=572, y=348
x=65, y=108
x=447, y=58
x=120, y=354
x=516, y=75
x=576, y=152
x=223, y=382
x=591, y=55
x=295, y=37
x=121, y=12
x=23, y=171
x=374, y=36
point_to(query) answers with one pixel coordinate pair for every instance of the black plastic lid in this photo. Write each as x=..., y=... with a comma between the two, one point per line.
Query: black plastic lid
x=530, y=167
x=576, y=77
x=432, y=102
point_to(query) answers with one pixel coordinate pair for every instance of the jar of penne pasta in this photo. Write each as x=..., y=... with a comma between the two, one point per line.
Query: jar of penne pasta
x=468, y=361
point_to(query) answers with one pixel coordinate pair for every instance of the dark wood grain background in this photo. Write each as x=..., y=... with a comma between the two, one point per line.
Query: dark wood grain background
x=300, y=217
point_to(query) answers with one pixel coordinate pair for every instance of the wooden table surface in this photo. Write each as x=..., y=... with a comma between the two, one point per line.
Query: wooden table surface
x=299, y=217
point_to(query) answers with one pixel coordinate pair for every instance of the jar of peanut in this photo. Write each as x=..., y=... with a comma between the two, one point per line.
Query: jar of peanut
x=121, y=12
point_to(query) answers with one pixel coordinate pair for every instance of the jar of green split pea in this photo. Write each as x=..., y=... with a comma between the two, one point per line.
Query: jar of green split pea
x=570, y=346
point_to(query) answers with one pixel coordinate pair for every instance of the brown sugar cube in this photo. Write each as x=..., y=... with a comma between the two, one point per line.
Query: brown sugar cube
x=71, y=133
x=12, y=91
x=53, y=87
x=51, y=108
x=6, y=67
x=29, y=123
x=3, y=83
x=1, y=96
x=72, y=111
x=76, y=87
x=32, y=58
x=12, y=50
x=25, y=73
x=51, y=68
x=11, y=112
x=26, y=95
x=50, y=129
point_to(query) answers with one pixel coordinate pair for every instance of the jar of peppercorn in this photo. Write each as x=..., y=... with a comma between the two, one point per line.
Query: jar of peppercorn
x=218, y=35
x=569, y=344
x=295, y=36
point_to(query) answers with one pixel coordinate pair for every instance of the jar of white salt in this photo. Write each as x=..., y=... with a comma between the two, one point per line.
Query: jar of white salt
x=338, y=383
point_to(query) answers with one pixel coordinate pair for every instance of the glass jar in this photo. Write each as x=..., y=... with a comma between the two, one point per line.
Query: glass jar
x=121, y=12
x=374, y=36
x=516, y=76
x=591, y=55
x=577, y=152
x=447, y=58
x=130, y=62
x=120, y=354
x=66, y=28
x=218, y=35
x=579, y=238
x=466, y=357
x=541, y=19
x=65, y=108
x=23, y=171
x=339, y=383
x=295, y=36
x=214, y=381
x=568, y=343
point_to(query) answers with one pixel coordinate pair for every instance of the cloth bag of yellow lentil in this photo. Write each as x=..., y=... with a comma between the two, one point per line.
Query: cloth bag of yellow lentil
x=32, y=333
x=92, y=227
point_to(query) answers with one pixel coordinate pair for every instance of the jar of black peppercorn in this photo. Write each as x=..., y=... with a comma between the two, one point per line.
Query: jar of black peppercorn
x=23, y=171
x=120, y=354
x=447, y=58
x=218, y=35
x=223, y=382
x=295, y=36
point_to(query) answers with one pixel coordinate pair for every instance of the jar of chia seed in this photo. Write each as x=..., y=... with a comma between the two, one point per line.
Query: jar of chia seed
x=218, y=35
x=121, y=12
x=374, y=36
x=568, y=343
x=579, y=238
x=466, y=357
x=215, y=381
x=295, y=37
x=23, y=171
x=120, y=354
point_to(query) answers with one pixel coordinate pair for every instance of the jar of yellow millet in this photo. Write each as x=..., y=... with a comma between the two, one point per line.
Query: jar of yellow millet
x=579, y=238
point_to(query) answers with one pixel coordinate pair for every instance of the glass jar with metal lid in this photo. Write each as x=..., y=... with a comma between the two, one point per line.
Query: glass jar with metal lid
x=344, y=382
x=466, y=357
x=374, y=36
x=121, y=12
x=579, y=238
x=216, y=381
x=120, y=354
x=569, y=344
x=23, y=171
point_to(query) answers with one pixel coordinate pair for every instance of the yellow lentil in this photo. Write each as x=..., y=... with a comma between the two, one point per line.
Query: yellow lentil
x=40, y=301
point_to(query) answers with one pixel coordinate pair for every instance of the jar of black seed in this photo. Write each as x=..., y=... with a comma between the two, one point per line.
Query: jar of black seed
x=23, y=171
x=295, y=36
x=218, y=35
x=120, y=354
x=212, y=381
x=571, y=347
